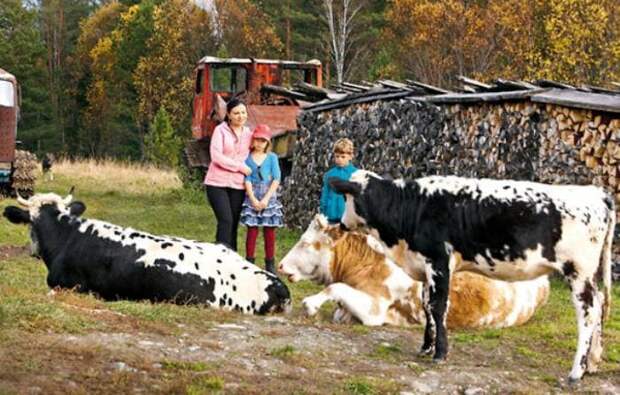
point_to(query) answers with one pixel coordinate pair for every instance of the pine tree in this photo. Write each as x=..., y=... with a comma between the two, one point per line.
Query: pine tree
x=162, y=145
x=299, y=25
x=59, y=23
x=22, y=53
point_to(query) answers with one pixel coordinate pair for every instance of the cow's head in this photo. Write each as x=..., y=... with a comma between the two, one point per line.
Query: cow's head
x=279, y=300
x=37, y=204
x=355, y=191
x=309, y=259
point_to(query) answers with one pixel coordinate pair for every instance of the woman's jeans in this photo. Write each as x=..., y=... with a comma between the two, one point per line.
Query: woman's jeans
x=226, y=204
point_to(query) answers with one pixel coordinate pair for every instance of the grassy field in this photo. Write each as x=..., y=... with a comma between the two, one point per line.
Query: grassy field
x=152, y=200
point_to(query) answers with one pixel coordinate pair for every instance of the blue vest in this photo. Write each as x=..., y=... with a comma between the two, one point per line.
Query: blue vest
x=332, y=203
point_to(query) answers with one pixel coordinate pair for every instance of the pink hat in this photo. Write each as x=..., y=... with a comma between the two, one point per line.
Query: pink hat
x=262, y=131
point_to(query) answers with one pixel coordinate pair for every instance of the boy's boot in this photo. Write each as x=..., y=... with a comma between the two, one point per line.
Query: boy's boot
x=251, y=260
x=270, y=265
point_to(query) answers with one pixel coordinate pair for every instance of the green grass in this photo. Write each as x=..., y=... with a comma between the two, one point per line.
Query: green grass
x=360, y=329
x=161, y=312
x=24, y=303
x=387, y=352
x=369, y=386
x=206, y=385
x=359, y=386
x=185, y=365
x=415, y=367
x=549, y=338
x=284, y=352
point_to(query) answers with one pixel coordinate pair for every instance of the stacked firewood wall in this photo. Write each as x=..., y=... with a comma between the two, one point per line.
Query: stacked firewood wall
x=517, y=140
x=597, y=137
x=389, y=137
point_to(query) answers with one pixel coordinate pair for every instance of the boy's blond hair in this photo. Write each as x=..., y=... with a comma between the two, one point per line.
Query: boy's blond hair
x=343, y=146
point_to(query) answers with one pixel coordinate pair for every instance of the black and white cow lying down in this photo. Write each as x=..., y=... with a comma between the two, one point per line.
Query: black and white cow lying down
x=509, y=230
x=123, y=263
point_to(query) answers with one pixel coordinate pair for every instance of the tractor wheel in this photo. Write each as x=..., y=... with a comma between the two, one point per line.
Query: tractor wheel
x=24, y=173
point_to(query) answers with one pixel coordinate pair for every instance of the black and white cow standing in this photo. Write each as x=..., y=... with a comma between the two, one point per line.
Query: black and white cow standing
x=509, y=230
x=123, y=263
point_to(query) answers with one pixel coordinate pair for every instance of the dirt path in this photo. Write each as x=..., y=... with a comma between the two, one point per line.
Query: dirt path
x=265, y=355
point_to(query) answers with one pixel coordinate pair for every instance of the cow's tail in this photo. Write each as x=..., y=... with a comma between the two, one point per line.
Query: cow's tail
x=606, y=257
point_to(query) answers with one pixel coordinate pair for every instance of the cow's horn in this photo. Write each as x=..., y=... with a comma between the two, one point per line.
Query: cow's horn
x=69, y=197
x=22, y=201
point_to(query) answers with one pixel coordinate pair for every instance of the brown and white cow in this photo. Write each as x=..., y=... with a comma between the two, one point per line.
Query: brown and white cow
x=373, y=289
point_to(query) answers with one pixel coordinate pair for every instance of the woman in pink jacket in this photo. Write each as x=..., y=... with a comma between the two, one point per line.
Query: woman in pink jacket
x=230, y=146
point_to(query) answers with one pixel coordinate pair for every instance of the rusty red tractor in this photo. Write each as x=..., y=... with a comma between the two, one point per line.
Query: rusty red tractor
x=264, y=85
x=17, y=167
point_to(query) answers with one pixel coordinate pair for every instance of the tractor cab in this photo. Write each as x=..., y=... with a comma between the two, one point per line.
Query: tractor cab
x=9, y=111
x=17, y=167
x=265, y=86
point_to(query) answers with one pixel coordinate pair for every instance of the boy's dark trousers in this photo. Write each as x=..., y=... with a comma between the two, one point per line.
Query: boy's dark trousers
x=226, y=204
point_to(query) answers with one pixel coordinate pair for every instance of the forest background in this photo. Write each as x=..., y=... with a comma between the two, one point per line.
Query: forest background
x=114, y=79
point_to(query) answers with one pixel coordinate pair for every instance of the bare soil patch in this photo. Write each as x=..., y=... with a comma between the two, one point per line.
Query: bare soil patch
x=269, y=355
x=8, y=251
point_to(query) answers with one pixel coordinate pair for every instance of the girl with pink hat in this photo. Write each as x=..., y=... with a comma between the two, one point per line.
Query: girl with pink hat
x=261, y=207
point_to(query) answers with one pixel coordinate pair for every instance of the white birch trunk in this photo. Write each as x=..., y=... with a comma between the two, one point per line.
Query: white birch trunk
x=340, y=27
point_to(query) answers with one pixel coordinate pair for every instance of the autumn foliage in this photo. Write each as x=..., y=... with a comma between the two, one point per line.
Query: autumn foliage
x=569, y=40
x=94, y=74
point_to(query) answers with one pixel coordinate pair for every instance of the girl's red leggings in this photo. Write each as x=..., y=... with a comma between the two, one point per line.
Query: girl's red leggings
x=269, y=234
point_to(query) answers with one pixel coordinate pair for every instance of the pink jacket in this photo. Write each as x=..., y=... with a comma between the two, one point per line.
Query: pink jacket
x=228, y=154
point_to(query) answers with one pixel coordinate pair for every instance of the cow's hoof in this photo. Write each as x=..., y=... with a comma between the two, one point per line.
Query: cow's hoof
x=309, y=308
x=573, y=382
x=425, y=351
x=592, y=365
x=439, y=360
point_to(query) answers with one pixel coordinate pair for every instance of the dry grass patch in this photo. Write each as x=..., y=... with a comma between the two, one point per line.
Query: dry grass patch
x=118, y=176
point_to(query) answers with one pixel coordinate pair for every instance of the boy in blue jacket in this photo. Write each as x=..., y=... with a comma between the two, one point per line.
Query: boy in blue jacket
x=332, y=204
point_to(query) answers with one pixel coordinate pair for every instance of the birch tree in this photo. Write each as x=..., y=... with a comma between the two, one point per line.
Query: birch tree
x=340, y=21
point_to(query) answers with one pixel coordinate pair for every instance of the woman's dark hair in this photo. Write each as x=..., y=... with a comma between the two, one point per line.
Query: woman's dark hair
x=232, y=103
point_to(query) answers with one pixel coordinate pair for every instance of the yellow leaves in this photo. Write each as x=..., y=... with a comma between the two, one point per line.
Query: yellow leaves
x=572, y=40
x=95, y=27
x=245, y=30
x=436, y=40
x=163, y=77
x=579, y=38
x=130, y=15
x=102, y=56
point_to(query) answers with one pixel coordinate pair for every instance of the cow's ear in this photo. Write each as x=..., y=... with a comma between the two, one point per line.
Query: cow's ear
x=77, y=208
x=16, y=215
x=343, y=187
